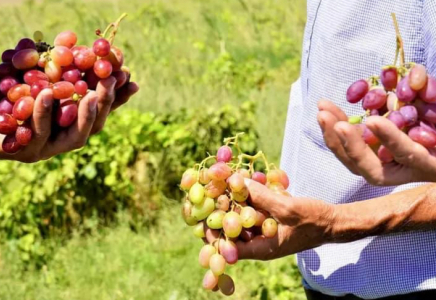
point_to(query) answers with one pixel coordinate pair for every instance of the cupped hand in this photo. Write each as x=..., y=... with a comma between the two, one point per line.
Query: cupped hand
x=93, y=110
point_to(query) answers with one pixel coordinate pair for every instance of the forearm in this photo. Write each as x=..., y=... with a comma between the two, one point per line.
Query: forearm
x=414, y=209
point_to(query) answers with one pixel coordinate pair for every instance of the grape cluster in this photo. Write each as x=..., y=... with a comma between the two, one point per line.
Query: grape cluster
x=69, y=70
x=217, y=205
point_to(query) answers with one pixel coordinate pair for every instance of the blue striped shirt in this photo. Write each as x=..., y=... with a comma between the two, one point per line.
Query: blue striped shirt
x=346, y=40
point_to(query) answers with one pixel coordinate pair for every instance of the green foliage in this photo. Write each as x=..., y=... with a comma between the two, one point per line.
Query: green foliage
x=134, y=164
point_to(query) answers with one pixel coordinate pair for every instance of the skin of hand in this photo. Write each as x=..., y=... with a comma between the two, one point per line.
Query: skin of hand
x=92, y=113
x=413, y=162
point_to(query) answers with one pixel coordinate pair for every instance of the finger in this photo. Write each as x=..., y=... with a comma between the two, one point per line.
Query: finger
x=261, y=197
x=76, y=135
x=106, y=96
x=327, y=122
x=326, y=105
x=41, y=120
x=259, y=248
x=124, y=94
x=365, y=160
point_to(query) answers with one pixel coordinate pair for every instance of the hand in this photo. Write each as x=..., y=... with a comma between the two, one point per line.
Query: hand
x=412, y=163
x=93, y=111
x=303, y=224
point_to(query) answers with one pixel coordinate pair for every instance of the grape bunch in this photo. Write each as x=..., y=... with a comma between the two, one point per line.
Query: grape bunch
x=68, y=69
x=217, y=206
x=405, y=94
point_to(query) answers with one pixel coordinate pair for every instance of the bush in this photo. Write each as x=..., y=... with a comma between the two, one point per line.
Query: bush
x=134, y=164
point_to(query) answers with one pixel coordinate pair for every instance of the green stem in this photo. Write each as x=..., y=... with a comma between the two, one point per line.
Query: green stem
x=115, y=27
x=400, y=44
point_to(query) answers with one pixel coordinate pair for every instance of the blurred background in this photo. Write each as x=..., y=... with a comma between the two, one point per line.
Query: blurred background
x=104, y=222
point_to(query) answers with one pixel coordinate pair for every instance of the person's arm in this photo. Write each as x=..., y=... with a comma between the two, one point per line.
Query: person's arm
x=307, y=223
x=93, y=111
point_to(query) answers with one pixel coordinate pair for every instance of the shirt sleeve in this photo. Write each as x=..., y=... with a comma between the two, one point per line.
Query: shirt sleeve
x=429, y=35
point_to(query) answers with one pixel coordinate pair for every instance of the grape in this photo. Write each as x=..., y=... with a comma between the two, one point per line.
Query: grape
x=18, y=91
x=101, y=47
x=63, y=90
x=269, y=228
x=53, y=71
x=6, y=84
x=226, y=285
x=23, y=108
x=428, y=112
x=25, y=59
x=102, y=68
x=66, y=38
x=67, y=113
x=8, y=124
x=7, y=69
x=23, y=135
x=25, y=43
x=187, y=214
x=393, y=103
x=188, y=179
x=385, y=155
x=397, y=118
x=33, y=76
x=368, y=136
x=423, y=136
x=38, y=36
x=8, y=54
x=6, y=106
x=72, y=75
x=120, y=77
x=223, y=203
x=428, y=126
x=417, y=77
x=204, y=177
x=240, y=196
x=375, y=112
x=224, y=154
x=84, y=59
x=205, y=254
x=278, y=176
x=10, y=144
x=217, y=264
x=236, y=182
x=410, y=114
x=62, y=56
x=229, y=251
x=428, y=92
x=42, y=62
x=389, y=78
x=196, y=193
x=81, y=87
x=198, y=230
x=212, y=234
x=201, y=212
x=215, y=188
x=36, y=88
x=116, y=58
x=247, y=234
x=232, y=224
x=261, y=216
x=284, y=180
x=248, y=216
x=375, y=99
x=244, y=172
x=91, y=79
x=210, y=281
x=215, y=219
x=357, y=91
x=404, y=91
x=259, y=177
x=219, y=171
x=356, y=119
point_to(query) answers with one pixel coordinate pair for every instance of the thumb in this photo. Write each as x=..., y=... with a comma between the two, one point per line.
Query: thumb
x=259, y=248
x=261, y=197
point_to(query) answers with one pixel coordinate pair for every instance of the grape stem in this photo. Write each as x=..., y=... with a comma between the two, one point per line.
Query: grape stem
x=400, y=44
x=202, y=164
x=252, y=159
x=234, y=141
x=114, y=26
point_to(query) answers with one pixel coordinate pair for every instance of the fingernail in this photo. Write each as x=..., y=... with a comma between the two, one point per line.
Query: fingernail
x=247, y=182
x=92, y=104
x=47, y=101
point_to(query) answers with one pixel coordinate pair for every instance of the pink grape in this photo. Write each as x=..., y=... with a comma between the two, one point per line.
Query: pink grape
x=428, y=126
x=18, y=91
x=210, y=280
x=25, y=59
x=6, y=106
x=211, y=234
x=23, y=108
x=102, y=68
x=417, y=77
x=393, y=103
x=8, y=54
x=62, y=56
x=375, y=99
x=66, y=38
x=269, y=228
x=25, y=43
x=101, y=47
x=10, y=144
x=423, y=136
x=205, y=254
x=204, y=177
x=34, y=76
x=53, y=71
x=23, y=135
x=215, y=188
x=223, y=203
x=63, y=90
x=244, y=172
x=229, y=251
x=84, y=59
x=410, y=114
x=375, y=112
x=428, y=112
x=187, y=214
x=397, y=118
x=259, y=177
x=217, y=264
x=278, y=176
x=368, y=136
x=428, y=92
x=384, y=154
x=224, y=154
x=8, y=124
x=236, y=182
x=37, y=87
x=81, y=87
x=404, y=91
x=72, y=75
x=232, y=224
x=219, y=171
x=189, y=178
x=116, y=58
x=67, y=113
x=389, y=78
x=226, y=285
x=6, y=84
x=357, y=91
x=42, y=62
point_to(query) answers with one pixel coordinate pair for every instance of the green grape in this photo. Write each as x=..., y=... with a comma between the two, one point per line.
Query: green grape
x=248, y=217
x=269, y=228
x=232, y=224
x=217, y=264
x=196, y=193
x=215, y=219
x=202, y=211
x=38, y=36
x=198, y=230
x=240, y=196
x=236, y=182
x=205, y=254
x=187, y=213
x=223, y=203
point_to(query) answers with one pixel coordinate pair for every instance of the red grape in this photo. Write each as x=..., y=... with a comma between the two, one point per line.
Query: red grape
x=397, y=118
x=357, y=91
x=8, y=124
x=428, y=92
x=72, y=75
x=389, y=78
x=417, y=77
x=423, y=136
x=224, y=154
x=375, y=99
x=8, y=54
x=229, y=250
x=81, y=87
x=66, y=38
x=34, y=76
x=101, y=47
x=63, y=90
x=404, y=91
x=6, y=84
x=37, y=87
x=219, y=171
x=84, y=58
x=23, y=134
x=116, y=58
x=23, y=108
x=53, y=71
x=91, y=79
x=18, y=91
x=10, y=144
x=25, y=43
x=410, y=114
x=259, y=177
x=102, y=68
x=67, y=113
x=6, y=106
x=385, y=155
x=25, y=59
x=62, y=56
x=368, y=136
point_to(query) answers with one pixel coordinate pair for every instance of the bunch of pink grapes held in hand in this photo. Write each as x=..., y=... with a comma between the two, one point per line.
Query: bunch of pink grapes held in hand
x=217, y=206
x=68, y=69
